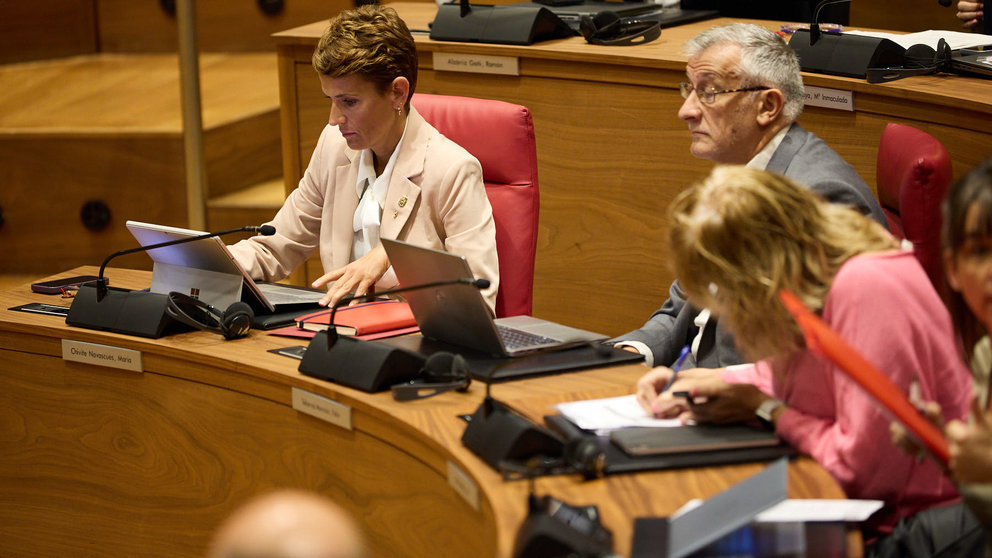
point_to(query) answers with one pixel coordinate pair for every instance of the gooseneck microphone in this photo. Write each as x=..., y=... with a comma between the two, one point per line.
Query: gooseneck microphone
x=101, y=282
x=367, y=365
x=133, y=312
x=814, y=26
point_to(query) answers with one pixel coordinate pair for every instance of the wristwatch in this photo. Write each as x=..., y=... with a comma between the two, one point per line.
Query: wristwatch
x=766, y=412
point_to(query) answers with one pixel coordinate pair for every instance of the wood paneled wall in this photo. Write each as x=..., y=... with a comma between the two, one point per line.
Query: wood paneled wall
x=49, y=29
x=904, y=15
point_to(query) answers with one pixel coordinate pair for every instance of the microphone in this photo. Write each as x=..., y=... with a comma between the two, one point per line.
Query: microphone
x=101, y=282
x=367, y=365
x=132, y=312
x=814, y=26
x=500, y=435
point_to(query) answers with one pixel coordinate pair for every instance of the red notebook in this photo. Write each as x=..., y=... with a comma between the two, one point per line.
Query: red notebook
x=363, y=319
x=825, y=341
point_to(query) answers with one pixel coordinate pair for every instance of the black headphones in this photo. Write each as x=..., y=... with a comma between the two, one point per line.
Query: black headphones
x=442, y=371
x=583, y=455
x=233, y=323
x=918, y=60
x=608, y=28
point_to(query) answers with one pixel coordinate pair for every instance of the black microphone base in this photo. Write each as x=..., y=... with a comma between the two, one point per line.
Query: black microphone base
x=844, y=55
x=496, y=433
x=122, y=311
x=515, y=25
x=364, y=365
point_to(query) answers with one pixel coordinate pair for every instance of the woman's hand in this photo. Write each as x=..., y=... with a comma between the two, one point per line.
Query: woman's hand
x=971, y=446
x=930, y=411
x=650, y=387
x=969, y=13
x=711, y=399
x=356, y=277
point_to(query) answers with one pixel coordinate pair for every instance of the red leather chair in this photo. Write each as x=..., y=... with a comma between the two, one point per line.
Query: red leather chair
x=501, y=136
x=913, y=172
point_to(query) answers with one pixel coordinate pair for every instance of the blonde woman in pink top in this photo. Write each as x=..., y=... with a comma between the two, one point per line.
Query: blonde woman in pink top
x=739, y=237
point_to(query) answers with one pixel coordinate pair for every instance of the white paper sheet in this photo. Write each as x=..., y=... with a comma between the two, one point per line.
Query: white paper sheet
x=603, y=415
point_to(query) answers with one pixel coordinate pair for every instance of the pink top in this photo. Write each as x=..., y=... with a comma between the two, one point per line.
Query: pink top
x=885, y=306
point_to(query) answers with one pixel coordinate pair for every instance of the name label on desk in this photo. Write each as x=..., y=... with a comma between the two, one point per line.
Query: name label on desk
x=477, y=63
x=463, y=485
x=825, y=97
x=101, y=355
x=323, y=408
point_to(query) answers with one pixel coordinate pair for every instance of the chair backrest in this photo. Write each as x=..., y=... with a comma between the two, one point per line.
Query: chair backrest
x=913, y=172
x=501, y=136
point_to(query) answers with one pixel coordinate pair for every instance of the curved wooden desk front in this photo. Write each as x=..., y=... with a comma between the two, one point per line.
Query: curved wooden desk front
x=612, y=152
x=98, y=461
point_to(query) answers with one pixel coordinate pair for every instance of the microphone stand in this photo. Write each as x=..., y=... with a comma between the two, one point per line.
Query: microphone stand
x=367, y=365
x=141, y=313
x=814, y=26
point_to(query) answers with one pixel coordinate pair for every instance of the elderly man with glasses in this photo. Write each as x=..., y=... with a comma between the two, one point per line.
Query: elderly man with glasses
x=743, y=93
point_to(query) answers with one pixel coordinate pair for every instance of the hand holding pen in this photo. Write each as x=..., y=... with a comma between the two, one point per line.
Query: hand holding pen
x=676, y=367
x=647, y=386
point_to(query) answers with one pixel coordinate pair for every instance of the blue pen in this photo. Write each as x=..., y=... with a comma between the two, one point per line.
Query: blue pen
x=675, y=367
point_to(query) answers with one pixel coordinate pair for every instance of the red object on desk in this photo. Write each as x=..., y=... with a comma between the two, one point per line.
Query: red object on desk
x=825, y=341
x=379, y=317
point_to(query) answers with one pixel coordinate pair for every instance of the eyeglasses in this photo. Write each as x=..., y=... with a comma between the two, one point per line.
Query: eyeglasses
x=708, y=97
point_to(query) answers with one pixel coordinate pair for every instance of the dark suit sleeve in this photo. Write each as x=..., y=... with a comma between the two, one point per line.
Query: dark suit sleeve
x=851, y=195
x=667, y=330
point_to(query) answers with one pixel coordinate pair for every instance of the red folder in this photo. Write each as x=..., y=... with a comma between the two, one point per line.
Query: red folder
x=824, y=341
x=362, y=319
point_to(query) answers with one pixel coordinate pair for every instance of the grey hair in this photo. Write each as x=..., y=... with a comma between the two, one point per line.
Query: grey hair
x=765, y=60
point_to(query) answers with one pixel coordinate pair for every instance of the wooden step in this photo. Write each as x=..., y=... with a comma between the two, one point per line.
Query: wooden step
x=253, y=205
x=108, y=128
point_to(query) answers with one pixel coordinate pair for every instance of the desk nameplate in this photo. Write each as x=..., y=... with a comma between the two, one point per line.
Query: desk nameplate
x=837, y=99
x=463, y=485
x=102, y=355
x=323, y=408
x=477, y=63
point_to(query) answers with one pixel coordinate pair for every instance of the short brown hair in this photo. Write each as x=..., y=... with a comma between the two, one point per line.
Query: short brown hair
x=742, y=234
x=372, y=41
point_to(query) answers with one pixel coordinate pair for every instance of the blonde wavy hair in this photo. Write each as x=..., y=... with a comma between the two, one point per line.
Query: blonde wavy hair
x=742, y=234
x=371, y=41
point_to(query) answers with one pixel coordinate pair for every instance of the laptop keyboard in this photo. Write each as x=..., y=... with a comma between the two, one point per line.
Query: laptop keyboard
x=516, y=339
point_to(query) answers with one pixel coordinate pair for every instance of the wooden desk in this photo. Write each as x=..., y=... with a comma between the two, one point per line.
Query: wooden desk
x=99, y=461
x=612, y=153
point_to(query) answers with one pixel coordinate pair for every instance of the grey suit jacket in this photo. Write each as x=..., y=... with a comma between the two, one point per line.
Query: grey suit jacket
x=803, y=157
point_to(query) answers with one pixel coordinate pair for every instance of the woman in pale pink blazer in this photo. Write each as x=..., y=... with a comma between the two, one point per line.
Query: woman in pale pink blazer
x=379, y=170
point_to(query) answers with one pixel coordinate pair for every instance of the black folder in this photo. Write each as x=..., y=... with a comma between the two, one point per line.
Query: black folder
x=618, y=461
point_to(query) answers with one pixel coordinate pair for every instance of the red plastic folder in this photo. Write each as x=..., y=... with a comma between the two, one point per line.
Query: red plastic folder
x=825, y=341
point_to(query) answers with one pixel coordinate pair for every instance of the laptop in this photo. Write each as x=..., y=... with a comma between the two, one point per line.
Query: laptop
x=458, y=314
x=207, y=270
x=979, y=63
x=572, y=12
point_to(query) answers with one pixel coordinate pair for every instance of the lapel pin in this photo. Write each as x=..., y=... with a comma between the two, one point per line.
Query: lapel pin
x=402, y=202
